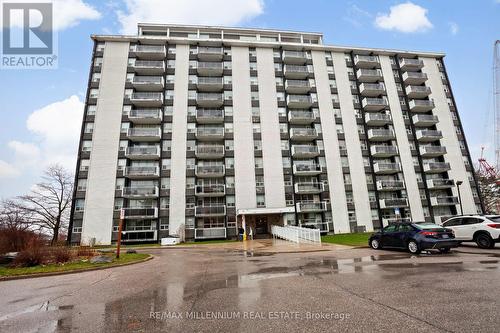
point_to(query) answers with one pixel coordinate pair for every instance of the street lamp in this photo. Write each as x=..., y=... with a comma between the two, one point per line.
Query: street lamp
x=459, y=182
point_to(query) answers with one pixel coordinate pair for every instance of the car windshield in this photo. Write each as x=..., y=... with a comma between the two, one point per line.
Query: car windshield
x=428, y=226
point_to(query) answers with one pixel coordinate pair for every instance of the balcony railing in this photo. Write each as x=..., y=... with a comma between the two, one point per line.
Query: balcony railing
x=303, y=134
x=209, y=81
x=432, y=151
x=148, y=82
x=440, y=183
x=140, y=192
x=209, y=151
x=384, y=151
x=210, y=68
x=210, y=53
x=149, y=66
x=390, y=185
x=210, y=99
x=296, y=72
x=424, y=120
x=393, y=203
x=143, y=152
x=437, y=167
x=305, y=151
x=374, y=104
x=414, y=78
x=212, y=190
x=371, y=89
x=140, y=213
x=208, y=211
x=429, y=135
x=310, y=206
x=146, y=116
x=410, y=64
x=381, y=134
x=365, y=61
x=209, y=171
x=144, y=134
x=147, y=98
x=297, y=86
x=210, y=133
x=207, y=233
x=303, y=169
x=150, y=51
x=309, y=188
x=377, y=119
x=141, y=171
x=386, y=168
x=421, y=105
x=294, y=57
x=209, y=116
x=418, y=91
x=369, y=75
x=299, y=101
x=301, y=117
x=444, y=201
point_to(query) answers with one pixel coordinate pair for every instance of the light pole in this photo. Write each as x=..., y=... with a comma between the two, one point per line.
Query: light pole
x=459, y=182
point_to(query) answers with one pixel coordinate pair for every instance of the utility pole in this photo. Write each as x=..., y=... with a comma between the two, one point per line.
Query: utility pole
x=119, y=240
x=459, y=182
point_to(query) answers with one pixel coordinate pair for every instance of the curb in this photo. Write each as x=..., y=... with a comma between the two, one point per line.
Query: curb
x=37, y=275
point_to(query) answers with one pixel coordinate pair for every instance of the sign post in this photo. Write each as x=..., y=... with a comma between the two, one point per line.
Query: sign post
x=119, y=240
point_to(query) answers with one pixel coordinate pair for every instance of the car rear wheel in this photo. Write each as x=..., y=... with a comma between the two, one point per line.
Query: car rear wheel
x=444, y=250
x=413, y=247
x=484, y=241
x=375, y=244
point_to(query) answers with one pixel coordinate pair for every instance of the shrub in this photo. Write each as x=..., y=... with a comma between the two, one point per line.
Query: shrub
x=61, y=254
x=33, y=256
x=15, y=240
x=85, y=251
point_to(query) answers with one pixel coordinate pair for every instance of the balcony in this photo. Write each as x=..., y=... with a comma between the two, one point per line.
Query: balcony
x=210, y=133
x=369, y=75
x=386, y=168
x=142, y=192
x=310, y=206
x=432, y=151
x=444, y=201
x=381, y=134
x=209, y=83
x=303, y=134
x=209, y=211
x=147, y=99
x=209, y=233
x=297, y=86
x=365, y=61
x=299, y=101
x=374, y=104
x=436, y=167
x=208, y=53
x=209, y=171
x=209, y=116
x=384, y=151
x=393, y=203
x=209, y=68
x=143, y=152
x=429, y=135
x=377, y=119
x=418, y=91
x=294, y=57
x=141, y=213
x=309, y=188
x=421, y=105
x=149, y=67
x=438, y=184
x=390, y=185
x=209, y=152
x=213, y=190
x=306, y=169
x=140, y=172
x=148, y=83
x=301, y=117
x=305, y=151
x=296, y=72
x=371, y=89
x=414, y=78
x=424, y=120
x=144, y=134
x=210, y=100
x=145, y=116
x=150, y=51
x=410, y=64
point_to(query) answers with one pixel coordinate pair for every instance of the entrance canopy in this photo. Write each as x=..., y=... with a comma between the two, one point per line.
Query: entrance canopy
x=263, y=211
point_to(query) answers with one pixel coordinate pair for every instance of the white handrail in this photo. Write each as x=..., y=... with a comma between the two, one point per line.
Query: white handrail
x=296, y=234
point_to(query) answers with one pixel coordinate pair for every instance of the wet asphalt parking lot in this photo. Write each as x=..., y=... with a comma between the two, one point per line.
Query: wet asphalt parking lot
x=211, y=289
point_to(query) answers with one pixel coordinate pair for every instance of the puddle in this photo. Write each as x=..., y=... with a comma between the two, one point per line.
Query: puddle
x=44, y=307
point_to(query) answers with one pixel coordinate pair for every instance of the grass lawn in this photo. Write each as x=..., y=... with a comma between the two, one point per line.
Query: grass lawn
x=77, y=265
x=215, y=241
x=357, y=239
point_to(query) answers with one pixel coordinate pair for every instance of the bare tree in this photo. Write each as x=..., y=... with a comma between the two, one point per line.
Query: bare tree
x=14, y=217
x=49, y=202
x=490, y=193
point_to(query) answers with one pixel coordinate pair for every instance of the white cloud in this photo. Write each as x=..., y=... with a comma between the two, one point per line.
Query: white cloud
x=8, y=170
x=209, y=12
x=406, y=17
x=454, y=27
x=355, y=15
x=25, y=152
x=66, y=13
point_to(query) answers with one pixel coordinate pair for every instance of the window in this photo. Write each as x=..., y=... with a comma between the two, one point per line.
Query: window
x=79, y=205
x=261, y=200
x=390, y=228
x=84, y=165
x=259, y=163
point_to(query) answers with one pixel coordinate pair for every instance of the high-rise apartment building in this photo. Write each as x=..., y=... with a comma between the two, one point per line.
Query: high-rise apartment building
x=191, y=129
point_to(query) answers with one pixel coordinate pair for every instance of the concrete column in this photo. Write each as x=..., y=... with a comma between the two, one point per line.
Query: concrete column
x=177, y=210
x=356, y=167
x=398, y=121
x=244, y=163
x=331, y=145
x=99, y=200
x=270, y=131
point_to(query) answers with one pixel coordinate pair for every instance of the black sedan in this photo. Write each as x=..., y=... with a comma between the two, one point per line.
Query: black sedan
x=414, y=237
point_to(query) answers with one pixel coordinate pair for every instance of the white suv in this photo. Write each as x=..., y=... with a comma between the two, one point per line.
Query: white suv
x=482, y=229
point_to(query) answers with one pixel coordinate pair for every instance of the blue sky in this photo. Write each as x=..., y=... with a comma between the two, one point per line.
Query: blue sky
x=41, y=109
